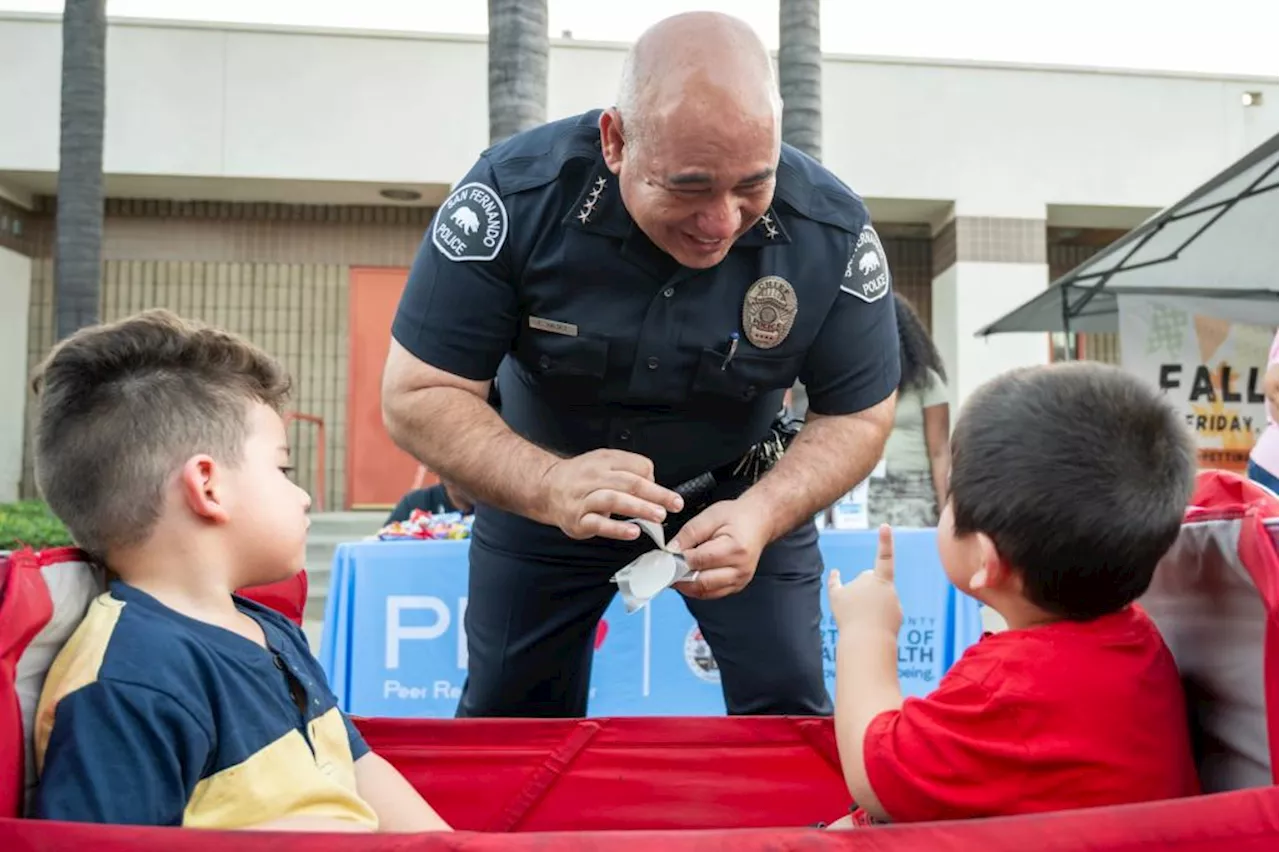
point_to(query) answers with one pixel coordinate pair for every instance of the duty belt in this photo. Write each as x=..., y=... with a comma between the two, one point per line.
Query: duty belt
x=754, y=463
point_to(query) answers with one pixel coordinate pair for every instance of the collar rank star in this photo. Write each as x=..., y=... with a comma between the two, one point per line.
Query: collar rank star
x=769, y=311
x=589, y=207
x=471, y=224
x=770, y=229
x=867, y=273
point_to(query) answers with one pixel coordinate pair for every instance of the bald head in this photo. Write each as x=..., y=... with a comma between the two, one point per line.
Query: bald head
x=695, y=137
x=698, y=64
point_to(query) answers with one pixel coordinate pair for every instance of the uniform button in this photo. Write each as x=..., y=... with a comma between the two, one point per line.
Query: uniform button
x=279, y=662
x=652, y=363
x=544, y=362
x=669, y=292
x=750, y=392
x=624, y=435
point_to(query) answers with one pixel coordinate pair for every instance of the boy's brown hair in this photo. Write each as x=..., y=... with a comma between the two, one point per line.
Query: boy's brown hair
x=123, y=405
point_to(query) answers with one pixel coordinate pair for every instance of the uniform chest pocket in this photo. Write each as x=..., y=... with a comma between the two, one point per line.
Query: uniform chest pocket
x=744, y=377
x=550, y=354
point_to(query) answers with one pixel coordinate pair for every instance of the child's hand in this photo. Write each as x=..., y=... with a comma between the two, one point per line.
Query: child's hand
x=870, y=601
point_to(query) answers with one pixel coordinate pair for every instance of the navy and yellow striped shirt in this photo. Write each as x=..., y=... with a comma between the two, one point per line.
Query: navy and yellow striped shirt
x=149, y=717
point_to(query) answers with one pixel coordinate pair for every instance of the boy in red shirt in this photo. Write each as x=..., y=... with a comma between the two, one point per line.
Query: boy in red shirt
x=1068, y=484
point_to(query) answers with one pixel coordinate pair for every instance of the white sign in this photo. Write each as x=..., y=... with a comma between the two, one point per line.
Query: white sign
x=851, y=512
x=1208, y=363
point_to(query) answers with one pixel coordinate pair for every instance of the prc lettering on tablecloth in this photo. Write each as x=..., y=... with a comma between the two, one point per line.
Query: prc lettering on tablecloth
x=398, y=632
x=441, y=618
x=398, y=647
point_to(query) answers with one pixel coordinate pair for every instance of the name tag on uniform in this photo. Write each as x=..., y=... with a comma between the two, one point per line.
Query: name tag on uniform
x=568, y=329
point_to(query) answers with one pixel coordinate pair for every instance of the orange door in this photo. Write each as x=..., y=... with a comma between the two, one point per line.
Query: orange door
x=378, y=472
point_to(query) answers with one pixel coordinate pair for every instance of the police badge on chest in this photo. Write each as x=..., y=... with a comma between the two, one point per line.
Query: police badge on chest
x=769, y=311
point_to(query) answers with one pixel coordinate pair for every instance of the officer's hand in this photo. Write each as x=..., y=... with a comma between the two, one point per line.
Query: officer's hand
x=723, y=545
x=585, y=491
x=870, y=601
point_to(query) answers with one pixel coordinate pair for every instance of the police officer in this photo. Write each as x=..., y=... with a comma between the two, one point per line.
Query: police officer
x=646, y=282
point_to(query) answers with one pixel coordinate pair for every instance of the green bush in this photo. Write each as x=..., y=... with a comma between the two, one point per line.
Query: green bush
x=29, y=523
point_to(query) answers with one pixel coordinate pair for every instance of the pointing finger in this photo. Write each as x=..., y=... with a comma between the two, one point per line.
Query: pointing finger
x=833, y=580
x=884, y=554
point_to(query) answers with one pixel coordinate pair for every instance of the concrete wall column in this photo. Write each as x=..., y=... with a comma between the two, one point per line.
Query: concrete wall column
x=983, y=267
x=15, y=296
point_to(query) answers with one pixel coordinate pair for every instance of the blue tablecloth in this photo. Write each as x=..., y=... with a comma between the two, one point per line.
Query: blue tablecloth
x=394, y=645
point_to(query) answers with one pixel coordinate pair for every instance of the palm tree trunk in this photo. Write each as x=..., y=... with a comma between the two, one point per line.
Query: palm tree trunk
x=518, y=51
x=78, y=245
x=800, y=81
x=800, y=74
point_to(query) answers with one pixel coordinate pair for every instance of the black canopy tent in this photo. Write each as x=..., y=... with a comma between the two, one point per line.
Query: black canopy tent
x=1219, y=242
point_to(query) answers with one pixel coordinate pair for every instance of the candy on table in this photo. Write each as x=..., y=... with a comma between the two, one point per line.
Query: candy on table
x=450, y=526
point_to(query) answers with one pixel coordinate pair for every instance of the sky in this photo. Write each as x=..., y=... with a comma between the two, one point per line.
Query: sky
x=1223, y=36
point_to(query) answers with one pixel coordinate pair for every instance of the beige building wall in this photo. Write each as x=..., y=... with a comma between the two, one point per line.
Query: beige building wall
x=234, y=102
x=985, y=266
x=15, y=291
x=277, y=274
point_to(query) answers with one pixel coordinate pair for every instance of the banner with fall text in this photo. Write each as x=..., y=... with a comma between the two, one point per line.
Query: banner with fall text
x=1209, y=360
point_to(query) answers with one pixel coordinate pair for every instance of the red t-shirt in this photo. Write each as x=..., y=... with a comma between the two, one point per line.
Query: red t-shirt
x=1068, y=715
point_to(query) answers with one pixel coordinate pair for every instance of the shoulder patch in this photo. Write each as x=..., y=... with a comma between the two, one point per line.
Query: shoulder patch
x=471, y=224
x=867, y=273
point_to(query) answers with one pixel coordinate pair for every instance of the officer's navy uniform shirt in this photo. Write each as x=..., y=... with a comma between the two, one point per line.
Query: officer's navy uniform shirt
x=611, y=343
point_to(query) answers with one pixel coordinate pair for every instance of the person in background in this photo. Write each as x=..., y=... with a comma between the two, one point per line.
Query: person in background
x=912, y=484
x=435, y=499
x=1264, y=461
